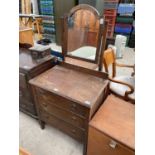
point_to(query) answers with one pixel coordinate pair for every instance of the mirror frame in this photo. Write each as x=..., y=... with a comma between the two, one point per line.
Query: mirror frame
x=101, y=34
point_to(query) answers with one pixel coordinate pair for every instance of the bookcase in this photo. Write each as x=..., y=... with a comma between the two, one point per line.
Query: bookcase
x=120, y=17
x=46, y=8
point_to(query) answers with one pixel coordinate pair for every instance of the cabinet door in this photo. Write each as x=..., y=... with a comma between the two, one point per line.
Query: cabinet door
x=100, y=144
x=60, y=8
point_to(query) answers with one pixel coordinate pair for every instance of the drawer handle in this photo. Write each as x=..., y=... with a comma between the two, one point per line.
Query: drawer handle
x=113, y=144
x=73, y=131
x=23, y=105
x=73, y=106
x=44, y=104
x=47, y=117
x=74, y=118
x=41, y=91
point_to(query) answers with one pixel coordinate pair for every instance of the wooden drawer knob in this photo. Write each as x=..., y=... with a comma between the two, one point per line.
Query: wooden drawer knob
x=41, y=91
x=74, y=118
x=73, y=131
x=47, y=117
x=73, y=107
x=44, y=104
x=113, y=144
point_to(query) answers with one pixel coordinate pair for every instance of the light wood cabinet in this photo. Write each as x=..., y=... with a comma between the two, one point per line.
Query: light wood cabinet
x=111, y=131
x=26, y=36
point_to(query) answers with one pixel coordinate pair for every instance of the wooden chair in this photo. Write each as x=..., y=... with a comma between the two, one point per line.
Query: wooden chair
x=122, y=86
x=82, y=31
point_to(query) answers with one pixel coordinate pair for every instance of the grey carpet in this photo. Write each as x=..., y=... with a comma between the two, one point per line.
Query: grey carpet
x=49, y=141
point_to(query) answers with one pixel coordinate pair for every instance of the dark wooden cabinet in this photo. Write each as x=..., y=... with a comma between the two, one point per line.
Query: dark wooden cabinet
x=67, y=97
x=29, y=68
x=112, y=129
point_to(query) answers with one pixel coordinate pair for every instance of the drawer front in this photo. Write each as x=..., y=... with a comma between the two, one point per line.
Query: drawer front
x=25, y=101
x=67, y=116
x=27, y=106
x=63, y=126
x=99, y=144
x=22, y=80
x=24, y=93
x=63, y=103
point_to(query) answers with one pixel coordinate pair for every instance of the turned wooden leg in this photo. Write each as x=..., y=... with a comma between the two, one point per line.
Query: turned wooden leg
x=42, y=124
x=109, y=92
x=85, y=149
x=85, y=144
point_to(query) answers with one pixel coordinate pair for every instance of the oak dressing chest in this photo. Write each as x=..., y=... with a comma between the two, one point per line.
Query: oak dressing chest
x=67, y=96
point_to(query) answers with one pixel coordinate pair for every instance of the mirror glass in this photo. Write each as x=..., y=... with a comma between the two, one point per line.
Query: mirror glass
x=82, y=33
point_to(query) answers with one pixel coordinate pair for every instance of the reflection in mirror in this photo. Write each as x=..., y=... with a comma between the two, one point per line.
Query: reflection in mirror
x=83, y=28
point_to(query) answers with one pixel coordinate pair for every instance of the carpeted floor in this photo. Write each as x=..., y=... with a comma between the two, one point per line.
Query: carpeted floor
x=51, y=141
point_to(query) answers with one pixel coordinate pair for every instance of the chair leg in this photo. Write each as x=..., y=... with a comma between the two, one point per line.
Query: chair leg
x=109, y=92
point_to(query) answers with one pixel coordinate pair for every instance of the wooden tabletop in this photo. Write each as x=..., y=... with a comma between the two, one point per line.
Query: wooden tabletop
x=73, y=84
x=116, y=118
x=26, y=61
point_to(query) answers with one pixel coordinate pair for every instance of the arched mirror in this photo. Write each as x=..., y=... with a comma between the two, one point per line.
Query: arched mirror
x=82, y=34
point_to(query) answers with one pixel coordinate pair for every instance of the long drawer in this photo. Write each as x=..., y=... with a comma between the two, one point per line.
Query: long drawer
x=99, y=144
x=60, y=113
x=63, y=126
x=62, y=102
